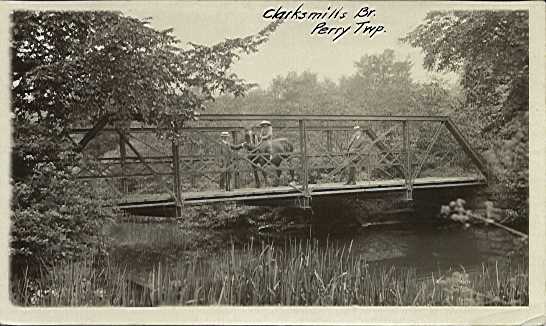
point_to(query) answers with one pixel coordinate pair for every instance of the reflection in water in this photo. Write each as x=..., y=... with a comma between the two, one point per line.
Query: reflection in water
x=424, y=246
x=429, y=248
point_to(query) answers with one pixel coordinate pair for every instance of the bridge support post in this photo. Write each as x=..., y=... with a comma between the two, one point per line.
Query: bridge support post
x=193, y=150
x=407, y=170
x=236, y=161
x=304, y=164
x=123, y=156
x=329, y=145
x=176, y=176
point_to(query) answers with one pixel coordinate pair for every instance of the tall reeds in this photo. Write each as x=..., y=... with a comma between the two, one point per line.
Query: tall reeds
x=296, y=273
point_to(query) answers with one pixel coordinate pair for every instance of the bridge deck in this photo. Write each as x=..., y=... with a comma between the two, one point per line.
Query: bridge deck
x=287, y=192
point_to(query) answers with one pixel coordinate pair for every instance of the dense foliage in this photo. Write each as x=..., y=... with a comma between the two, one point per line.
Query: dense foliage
x=490, y=51
x=84, y=66
x=380, y=84
x=92, y=68
x=55, y=218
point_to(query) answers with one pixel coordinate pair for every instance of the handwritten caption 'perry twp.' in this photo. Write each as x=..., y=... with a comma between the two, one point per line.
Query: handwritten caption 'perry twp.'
x=329, y=19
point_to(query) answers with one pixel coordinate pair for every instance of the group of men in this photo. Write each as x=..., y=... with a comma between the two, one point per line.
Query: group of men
x=228, y=149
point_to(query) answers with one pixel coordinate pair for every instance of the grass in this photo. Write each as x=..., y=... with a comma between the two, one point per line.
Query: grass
x=296, y=273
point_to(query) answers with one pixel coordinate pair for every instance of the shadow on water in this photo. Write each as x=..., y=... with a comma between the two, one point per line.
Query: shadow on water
x=384, y=231
x=413, y=241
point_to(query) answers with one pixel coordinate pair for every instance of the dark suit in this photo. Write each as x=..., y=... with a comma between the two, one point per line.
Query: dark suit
x=356, y=144
x=227, y=158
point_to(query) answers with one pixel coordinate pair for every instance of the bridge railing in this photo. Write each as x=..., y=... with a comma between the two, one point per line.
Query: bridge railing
x=136, y=162
x=396, y=147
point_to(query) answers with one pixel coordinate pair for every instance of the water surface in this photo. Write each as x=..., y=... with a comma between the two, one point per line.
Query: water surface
x=427, y=245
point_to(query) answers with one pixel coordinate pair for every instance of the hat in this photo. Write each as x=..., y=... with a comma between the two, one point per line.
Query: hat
x=264, y=122
x=224, y=134
x=356, y=127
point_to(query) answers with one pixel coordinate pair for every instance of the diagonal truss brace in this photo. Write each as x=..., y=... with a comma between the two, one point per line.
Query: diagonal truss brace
x=360, y=153
x=474, y=157
x=141, y=158
x=384, y=149
x=417, y=171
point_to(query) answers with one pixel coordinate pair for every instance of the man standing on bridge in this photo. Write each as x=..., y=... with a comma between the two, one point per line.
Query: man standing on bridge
x=353, y=154
x=227, y=158
x=266, y=136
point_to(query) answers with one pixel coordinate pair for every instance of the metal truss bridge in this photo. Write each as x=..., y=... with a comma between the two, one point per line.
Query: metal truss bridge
x=400, y=154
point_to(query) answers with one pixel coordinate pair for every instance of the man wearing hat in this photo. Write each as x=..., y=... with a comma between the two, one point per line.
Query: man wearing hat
x=227, y=159
x=266, y=136
x=353, y=150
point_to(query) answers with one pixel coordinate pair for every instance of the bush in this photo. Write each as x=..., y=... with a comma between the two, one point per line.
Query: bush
x=509, y=160
x=55, y=217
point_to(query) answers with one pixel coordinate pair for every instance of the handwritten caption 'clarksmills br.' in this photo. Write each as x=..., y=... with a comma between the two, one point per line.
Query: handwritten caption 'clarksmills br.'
x=334, y=23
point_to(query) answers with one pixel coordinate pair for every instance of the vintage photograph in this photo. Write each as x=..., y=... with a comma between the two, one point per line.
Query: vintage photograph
x=269, y=154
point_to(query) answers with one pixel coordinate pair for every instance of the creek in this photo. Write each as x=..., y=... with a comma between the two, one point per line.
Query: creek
x=421, y=242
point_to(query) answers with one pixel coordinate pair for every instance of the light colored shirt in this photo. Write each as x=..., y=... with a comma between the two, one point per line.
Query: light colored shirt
x=354, y=142
x=266, y=133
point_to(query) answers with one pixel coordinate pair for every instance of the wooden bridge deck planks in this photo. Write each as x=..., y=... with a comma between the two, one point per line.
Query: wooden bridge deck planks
x=287, y=192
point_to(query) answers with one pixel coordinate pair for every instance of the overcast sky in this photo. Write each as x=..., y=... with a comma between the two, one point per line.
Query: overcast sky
x=292, y=47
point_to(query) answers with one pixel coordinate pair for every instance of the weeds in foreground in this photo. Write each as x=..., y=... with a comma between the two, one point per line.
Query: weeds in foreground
x=298, y=273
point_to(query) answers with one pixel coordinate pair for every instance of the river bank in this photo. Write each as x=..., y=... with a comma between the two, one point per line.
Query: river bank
x=260, y=256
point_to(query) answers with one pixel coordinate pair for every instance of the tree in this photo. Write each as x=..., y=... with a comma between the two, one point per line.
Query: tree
x=93, y=68
x=380, y=85
x=86, y=66
x=291, y=94
x=490, y=51
x=256, y=101
x=304, y=94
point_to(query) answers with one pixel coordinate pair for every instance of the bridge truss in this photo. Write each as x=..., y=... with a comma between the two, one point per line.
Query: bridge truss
x=401, y=153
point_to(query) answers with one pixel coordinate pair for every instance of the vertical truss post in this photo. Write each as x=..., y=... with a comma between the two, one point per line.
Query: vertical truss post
x=123, y=157
x=176, y=174
x=304, y=163
x=191, y=159
x=235, y=162
x=407, y=169
x=373, y=157
x=329, y=144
